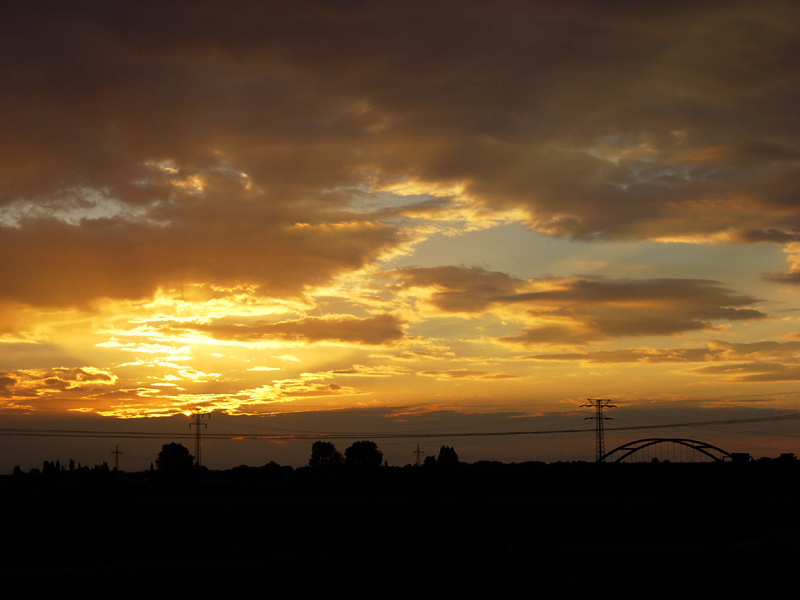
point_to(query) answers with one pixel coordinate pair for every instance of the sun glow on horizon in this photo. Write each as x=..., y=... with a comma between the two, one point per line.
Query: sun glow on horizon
x=278, y=225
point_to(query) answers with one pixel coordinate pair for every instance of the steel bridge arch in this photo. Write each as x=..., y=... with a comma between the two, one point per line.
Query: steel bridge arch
x=632, y=447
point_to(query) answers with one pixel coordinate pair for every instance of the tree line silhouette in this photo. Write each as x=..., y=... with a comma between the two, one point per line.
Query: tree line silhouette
x=175, y=463
x=492, y=522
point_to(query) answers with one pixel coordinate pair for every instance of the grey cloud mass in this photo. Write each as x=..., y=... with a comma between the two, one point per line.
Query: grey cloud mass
x=612, y=308
x=207, y=134
x=459, y=289
x=586, y=309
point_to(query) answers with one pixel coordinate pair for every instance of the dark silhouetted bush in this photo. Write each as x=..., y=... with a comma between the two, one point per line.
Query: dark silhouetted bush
x=174, y=458
x=325, y=455
x=363, y=454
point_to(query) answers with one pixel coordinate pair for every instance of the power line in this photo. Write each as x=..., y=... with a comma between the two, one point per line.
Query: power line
x=351, y=435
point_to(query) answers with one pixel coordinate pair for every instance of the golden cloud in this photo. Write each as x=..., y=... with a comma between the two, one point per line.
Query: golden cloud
x=133, y=161
x=377, y=330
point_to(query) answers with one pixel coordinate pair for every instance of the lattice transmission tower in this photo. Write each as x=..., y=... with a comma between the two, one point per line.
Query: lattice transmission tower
x=599, y=404
x=418, y=454
x=116, y=454
x=198, y=444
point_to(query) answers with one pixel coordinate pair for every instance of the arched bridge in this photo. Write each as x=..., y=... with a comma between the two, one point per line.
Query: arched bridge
x=622, y=452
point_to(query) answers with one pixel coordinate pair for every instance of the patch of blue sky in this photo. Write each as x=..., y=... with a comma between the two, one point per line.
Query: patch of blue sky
x=514, y=249
x=363, y=199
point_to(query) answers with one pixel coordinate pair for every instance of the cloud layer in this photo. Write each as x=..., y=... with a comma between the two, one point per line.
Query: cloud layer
x=273, y=205
x=180, y=142
x=381, y=329
x=580, y=310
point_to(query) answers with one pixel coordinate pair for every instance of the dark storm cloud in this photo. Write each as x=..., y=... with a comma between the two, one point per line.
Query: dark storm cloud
x=612, y=120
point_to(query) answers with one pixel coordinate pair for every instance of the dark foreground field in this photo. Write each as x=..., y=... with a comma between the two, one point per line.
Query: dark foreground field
x=476, y=531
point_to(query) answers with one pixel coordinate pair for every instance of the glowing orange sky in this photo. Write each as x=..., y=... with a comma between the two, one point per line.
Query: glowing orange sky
x=449, y=208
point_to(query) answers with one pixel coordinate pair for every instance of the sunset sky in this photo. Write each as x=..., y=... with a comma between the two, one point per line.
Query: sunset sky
x=397, y=217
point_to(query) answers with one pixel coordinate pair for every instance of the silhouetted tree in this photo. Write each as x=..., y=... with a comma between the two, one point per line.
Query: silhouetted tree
x=363, y=454
x=325, y=454
x=447, y=457
x=174, y=458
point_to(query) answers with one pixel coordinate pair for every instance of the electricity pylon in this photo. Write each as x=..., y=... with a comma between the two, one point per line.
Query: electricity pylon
x=197, y=441
x=599, y=404
x=116, y=454
x=419, y=454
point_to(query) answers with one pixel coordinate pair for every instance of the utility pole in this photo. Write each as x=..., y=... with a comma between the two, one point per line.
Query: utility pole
x=116, y=454
x=197, y=441
x=599, y=404
x=419, y=453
